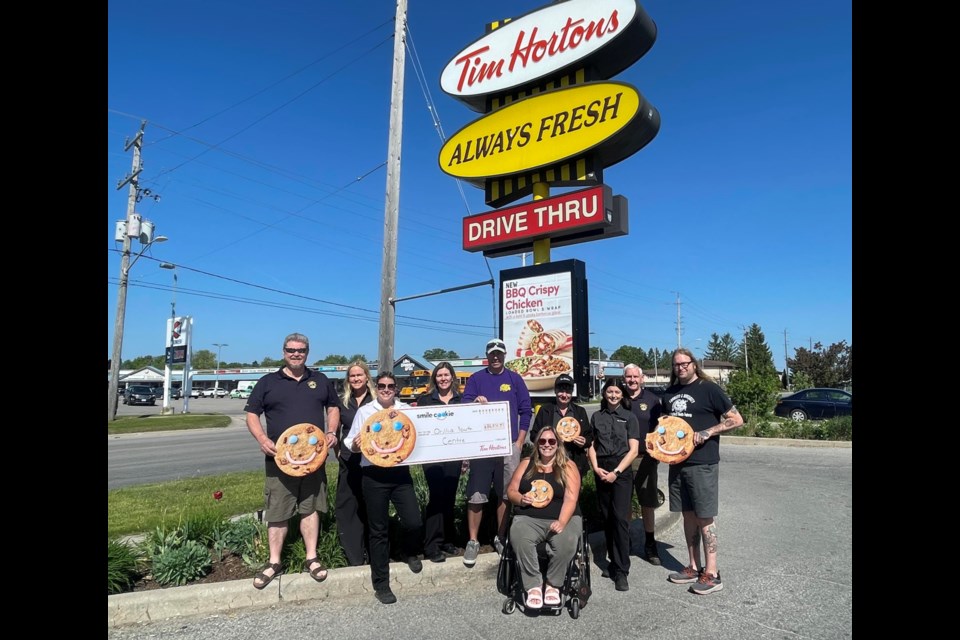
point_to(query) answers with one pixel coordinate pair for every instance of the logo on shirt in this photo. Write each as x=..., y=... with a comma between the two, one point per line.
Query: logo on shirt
x=505, y=387
x=643, y=406
x=312, y=384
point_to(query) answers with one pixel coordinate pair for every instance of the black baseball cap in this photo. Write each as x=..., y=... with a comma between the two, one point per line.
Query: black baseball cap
x=563, y=379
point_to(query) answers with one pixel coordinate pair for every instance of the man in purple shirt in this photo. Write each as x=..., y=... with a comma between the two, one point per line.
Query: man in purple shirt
x=492, y=475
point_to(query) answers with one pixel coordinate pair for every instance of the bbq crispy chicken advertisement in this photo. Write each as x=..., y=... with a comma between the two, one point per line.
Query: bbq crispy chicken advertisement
x=542, y=313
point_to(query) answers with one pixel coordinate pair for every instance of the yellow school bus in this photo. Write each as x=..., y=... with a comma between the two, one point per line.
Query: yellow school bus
x=462, y=379
x=415, y=385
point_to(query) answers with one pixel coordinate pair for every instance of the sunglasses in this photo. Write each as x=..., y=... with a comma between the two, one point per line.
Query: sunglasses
x=292, y=350
x=382, y=386
x=546, y=441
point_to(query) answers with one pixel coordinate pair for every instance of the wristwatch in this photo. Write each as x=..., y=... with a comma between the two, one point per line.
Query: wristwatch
x=616, y=472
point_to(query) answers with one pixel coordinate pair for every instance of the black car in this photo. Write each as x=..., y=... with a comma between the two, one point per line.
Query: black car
x=140, y=394
x=176, y=393
x=816, y=404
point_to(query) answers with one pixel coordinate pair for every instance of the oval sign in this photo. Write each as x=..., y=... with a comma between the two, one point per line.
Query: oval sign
x=610, y=35
x=610, y=119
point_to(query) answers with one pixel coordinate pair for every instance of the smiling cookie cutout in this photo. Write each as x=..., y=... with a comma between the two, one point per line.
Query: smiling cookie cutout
x=301, y=450
x=568, y=428
x=671, y=441
x=387, y=438
x=540, y=494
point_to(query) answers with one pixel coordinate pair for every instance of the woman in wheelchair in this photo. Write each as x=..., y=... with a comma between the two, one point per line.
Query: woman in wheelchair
x=544, y=492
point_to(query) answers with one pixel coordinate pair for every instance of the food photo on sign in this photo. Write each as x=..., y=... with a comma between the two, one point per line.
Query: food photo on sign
x=538, y=328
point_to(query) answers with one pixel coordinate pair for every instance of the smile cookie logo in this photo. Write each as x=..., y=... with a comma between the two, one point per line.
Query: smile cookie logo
x=568, y=428
x=312, y=384
x=387, y=438
x=540, y=494
x=671, y=441
x=301, y=450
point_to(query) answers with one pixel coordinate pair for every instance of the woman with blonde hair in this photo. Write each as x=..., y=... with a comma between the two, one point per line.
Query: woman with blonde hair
x=555, y=520
x=350, y=509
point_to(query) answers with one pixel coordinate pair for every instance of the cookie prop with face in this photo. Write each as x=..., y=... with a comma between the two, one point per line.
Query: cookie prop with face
x=671, y=441
x=301, y=450
x=540, y=494
x=387, y=438
x=568, y=428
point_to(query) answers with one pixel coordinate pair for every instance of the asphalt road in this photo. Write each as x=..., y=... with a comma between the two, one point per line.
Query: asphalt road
x=785, y=556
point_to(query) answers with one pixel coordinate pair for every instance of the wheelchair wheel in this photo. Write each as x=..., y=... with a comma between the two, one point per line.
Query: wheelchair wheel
x=509, y=606
x=660, y=498
x=575, y=608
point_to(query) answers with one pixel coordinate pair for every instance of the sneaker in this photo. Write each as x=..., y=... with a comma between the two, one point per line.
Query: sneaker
x=498, y=545
x=653, y=556
x=684, y=577
x=414, y=563
x=621, y=582
x=385, y=596
x=449, y=549
x=706, y=584
x=471, y=552
x=439, y=557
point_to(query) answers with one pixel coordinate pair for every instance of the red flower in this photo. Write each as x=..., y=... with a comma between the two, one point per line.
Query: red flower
x=217, y=495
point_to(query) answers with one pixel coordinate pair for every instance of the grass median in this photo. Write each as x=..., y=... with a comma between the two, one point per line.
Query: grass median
x=137, y=424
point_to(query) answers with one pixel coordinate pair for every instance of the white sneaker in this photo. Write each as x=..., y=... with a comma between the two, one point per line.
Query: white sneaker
x=471, y=552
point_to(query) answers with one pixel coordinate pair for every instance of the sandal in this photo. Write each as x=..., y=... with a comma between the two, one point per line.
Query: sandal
x=315, y=573
x=535, y=598
x=551, y=596
x=264, y=578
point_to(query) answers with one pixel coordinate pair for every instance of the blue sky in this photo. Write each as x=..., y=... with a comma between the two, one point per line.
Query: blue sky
x=266, y=138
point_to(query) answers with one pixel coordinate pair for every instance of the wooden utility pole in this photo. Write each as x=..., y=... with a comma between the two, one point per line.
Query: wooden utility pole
x=388, y=289
x=136, y=143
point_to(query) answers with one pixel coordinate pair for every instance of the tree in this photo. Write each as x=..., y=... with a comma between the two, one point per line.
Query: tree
x=723, y=348
x=203, y=359
x=269, y=362
x=832, y=367
x=754, y=355
x=437, y=354
x=754, y=394
x=628, y=354
x=331, y=358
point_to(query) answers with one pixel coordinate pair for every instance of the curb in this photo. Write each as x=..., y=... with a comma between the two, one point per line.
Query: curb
x=346, y=582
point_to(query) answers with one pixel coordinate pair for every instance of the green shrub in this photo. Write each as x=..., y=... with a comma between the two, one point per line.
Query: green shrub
x=178, y=566
x=202, y=526
x=123, y=566
x=839, y=428
x=237, y=536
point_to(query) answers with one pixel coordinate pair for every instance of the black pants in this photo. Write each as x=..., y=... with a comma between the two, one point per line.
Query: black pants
x=614, y=501
x=381, y=486
x=442, y=480
x=351, y=511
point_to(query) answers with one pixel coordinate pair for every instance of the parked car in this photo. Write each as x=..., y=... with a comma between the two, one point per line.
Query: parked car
x=139, y=394
x=220, y=393
x=194, y=393
x=815, y=404
x=176, y=393
x=656, y=390
x=208, y=393
x=240, y=393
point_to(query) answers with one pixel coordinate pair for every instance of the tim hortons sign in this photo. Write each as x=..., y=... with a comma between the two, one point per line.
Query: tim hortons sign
x=604, y=36
x=565, y=215
x=610, y=120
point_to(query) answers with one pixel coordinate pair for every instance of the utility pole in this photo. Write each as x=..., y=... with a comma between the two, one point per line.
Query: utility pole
x=746, y=359
x=786, y=365
x=132, y=179
x=678, y=320
x=388, y=288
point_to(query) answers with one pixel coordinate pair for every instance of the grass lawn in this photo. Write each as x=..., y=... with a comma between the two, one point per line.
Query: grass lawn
x=136, y=424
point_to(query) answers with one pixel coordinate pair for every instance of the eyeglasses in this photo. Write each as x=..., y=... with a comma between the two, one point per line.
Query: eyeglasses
x=292, y=350
x=382, y=386
x=546, y=441
x=683, y=365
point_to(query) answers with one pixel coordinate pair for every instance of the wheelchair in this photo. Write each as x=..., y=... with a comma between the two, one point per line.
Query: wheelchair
x=576, y=582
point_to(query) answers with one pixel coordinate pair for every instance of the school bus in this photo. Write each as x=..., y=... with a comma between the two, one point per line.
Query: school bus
x=415, y=385
x=462, y=379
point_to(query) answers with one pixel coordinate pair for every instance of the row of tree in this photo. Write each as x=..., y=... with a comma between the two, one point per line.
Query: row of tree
x=818, y=366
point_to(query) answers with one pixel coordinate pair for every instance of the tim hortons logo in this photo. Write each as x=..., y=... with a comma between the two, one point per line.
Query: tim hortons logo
x=547, y=41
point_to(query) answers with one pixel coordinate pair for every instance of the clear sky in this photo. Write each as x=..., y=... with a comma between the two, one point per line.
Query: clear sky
x=266, y=140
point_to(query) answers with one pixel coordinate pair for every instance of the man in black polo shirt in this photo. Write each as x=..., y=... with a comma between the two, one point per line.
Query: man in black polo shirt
x=646, y=406
x=292, y=395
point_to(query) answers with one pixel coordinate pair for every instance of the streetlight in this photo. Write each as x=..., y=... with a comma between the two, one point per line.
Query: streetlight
x=216, y=381
x=168, y=366
x=126, y=264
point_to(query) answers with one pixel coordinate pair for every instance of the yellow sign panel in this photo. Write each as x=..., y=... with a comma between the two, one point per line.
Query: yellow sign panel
x=543, y=129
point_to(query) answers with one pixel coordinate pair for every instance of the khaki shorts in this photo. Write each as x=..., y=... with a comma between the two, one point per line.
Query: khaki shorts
x=284, y=496
x=490, y=476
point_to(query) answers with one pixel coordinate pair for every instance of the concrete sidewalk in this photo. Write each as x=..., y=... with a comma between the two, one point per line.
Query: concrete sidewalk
x=346, y=582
